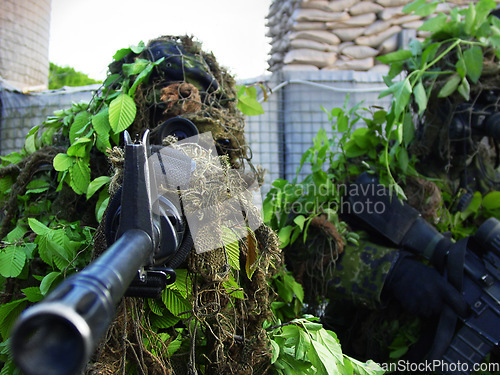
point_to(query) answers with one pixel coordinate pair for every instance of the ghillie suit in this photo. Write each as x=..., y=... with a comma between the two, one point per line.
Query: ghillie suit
x=313, y=261
x=211, y=320
x=457, y=140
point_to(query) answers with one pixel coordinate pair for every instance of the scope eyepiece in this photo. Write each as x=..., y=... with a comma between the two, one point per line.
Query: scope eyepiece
x=179, y=127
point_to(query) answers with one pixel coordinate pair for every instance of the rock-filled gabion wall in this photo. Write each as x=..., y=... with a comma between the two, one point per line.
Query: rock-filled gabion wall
x=340, y=34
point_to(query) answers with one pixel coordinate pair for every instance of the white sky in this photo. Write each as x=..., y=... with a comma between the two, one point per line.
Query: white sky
x=85, y=34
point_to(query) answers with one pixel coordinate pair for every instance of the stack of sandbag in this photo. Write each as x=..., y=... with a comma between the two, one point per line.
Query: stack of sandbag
x=339, y=34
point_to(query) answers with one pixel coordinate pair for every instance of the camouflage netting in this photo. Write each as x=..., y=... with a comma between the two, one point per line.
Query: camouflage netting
x=226, y=333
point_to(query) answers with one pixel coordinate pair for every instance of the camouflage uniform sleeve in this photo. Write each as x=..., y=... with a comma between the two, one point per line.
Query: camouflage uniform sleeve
x=361, y=272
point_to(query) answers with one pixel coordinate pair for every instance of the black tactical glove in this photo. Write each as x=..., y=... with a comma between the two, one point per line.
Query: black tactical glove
x=421, y=290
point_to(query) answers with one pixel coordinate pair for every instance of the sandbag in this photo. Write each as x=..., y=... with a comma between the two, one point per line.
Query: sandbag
x=364, y=7
x=316, y=35
x=341, y=5
x=377, y=39
x=393, y=3
x=361, y=20
x=377, y=27
x=310, y=57
x=311, y=44
x=359, y=52
x=316, y=15
x=363, y=64
x=349, y=34
x=299, y=67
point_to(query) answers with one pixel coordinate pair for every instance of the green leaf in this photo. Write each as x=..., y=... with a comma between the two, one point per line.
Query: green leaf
x=434, y=24
x=121, y=53
x=101, y=125
x=491, y=201
x=300, y=220
x=483, y=9
x=403, y=159
x=12, y=158
x=96, y=184
x=248, y=103
x=62, y=248
x=30, y=144
x=122, y=112
x=182, y=283
x=79, y=126
x=174, y=345
x=296, y=287
x=37, y=186
x=408, y=129
x=48, y=281
x=143, y=76
x=157, y=307
x=461, y=68
x=473, y=58
x=102, y=204
x=175, y=303
x=63, y=162
x=464, y=89
x=450, y=86
x=100, y=122
x=284, y=235
x=232, y=246
x=413, y=6
x=342, y=123
x=80, y=176
x=284, y=291
x=426, y=9
x=275, y=351
x=38, y=227
x=368, y=368
x=138, y=48
x=303, y=345
x=136, y=67
x=470, y=16
x=33, y=294
x=167, y=320
x=79, y=147
x=16, y=234
x=429, y=52
x=12, y=260
x=8, y=315
x=420, y=97
x=233, y=289
x=401, y=97
x=321, y=358
x=400, y=55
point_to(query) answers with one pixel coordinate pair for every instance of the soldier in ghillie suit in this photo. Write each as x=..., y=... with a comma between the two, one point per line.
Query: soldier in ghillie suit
x=385, y=302
x=189, y=83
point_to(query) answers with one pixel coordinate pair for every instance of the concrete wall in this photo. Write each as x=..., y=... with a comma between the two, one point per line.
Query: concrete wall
x=24, y=38
x=20, y=112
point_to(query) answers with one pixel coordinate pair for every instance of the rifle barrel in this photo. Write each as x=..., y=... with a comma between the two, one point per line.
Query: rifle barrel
x=59, y=334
